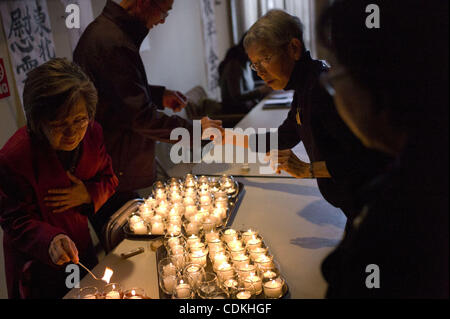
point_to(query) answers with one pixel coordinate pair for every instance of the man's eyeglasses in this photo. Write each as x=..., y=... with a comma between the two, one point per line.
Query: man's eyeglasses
x=262, y=64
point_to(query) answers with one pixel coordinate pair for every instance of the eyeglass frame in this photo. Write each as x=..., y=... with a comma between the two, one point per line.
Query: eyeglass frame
x=258, y=65
x=79, y=124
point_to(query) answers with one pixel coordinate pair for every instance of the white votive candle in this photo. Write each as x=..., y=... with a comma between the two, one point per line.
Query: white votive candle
x=244, y=294
x=157, y=228
x=112, y=295
x=229, y=235
x=140, y=228
x=183, y=290
x=254, y=242
x=198, y=257
x=169, y=283
x=192, y=239
x=225, y=271
x=253, y=281
x=273, y=288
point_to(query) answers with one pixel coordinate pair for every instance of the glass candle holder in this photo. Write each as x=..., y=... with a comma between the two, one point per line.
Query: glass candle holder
x=225, y=271
x=171, y=240
x=257, y=251
x=140, y=228
x=190, y=200
x=190, y=210
x=179, y=259
x=192, y=239
x=237, y=250
x=173, y=229
x=199, y=257
x=88, y=293
x=240, y=260
x=273, y=289
x=209, y=224
x=243, y=293
x=245, y=270
x=211, y=235
x=194, y=273
x=157, y=227
x=229, y=234
x=254, y=282
x=167, y=268
x=134, y=293
x=192, y=228
x=264, y=261
x=248, y=234
x=209, y=286
x=112, y=291
x=183, y=290
x=230, y=284
x=253, y=242
x=151, y=202
x=219, y=259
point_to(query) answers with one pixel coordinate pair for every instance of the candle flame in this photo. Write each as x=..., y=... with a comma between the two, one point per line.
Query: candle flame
x=108, y=274
x=133, y=292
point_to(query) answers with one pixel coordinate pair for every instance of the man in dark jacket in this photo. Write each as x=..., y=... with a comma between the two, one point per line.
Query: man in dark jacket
x=128, y=106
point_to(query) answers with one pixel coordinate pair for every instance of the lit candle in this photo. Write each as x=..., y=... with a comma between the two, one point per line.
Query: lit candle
x=205, y=200
x=212, y=236
x=151, y=202
x=244, y=294
x=157, y=228
x=254, y=242
x=240, y=260
x=194, y=272
x=192, y=228
x=196, y=246
x=183, y=290
x=219, y=259
x=169, y=283
x=174, y=229
x=169, y=270
x=235, y=244
x=190, y=210
x=245, y=270
x=225, y=271
x=140, y=228
x=229, y=235
x=199, y=257
x=264, y=261
x=230, y=283
x=214, y=244
x=219, y=213
x=273, y=288
x=177, y=249
x=113, y=294
x=257, y=251
x=134, y=295
x=249, y=234
x=175, y=197
x=192, y=239
x=146, y=215
x=89, y=296
x=134, y=219
x=189, y=200
x=254, y=282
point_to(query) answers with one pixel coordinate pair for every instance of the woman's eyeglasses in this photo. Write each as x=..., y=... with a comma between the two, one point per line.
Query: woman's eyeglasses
x=78, y=124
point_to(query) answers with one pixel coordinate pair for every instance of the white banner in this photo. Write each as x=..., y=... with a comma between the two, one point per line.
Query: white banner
x=29, y=36
x=210, y=39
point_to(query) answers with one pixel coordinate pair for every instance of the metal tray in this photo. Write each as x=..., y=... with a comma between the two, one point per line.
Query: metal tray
x=233, y=205
x=161, y=253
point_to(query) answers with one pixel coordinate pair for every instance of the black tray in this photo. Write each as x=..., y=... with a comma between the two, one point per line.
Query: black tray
x=233, y=205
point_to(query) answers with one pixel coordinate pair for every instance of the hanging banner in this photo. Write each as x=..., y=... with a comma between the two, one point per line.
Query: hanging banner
x=4, y=87
x=29, y=36
x=210, y=39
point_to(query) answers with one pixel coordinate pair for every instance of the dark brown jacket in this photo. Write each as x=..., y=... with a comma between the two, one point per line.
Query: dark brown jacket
x=108, y=51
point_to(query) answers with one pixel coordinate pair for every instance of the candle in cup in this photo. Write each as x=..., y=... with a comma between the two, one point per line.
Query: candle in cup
x=244, y=294
x=195, y=273
x=264, y=261
x=199, y=257
x=177, y=249
x=212, y=235
x=257, y=251
x=240, y=260
x=245, y=270
x=169, y=270
x=225, y=271
x=189, y=200
x=192, y=239
x=229, y=235
x=183, y=290
x=254, y=242
x=196, y=246
x=169, y=283
x=140, y=228
x=174, y=229
x=249, y=234
x=134, y=295
x=90, y=296
x=234, y=244
x=157, y=228
x=254, y=282
x=205, y=200
x=192, y=228
x=219, y=259
x=214, y=244
x=273, y=288
x=230, y=283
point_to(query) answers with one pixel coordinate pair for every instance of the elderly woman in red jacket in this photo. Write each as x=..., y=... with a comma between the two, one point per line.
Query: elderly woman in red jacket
x=54, y=172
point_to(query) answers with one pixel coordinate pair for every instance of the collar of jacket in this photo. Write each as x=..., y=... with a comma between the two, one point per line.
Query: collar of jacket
x=127, y=23
x=300, y=72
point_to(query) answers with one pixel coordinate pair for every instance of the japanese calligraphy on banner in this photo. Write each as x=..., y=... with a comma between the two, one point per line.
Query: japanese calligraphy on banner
x=29, y=36
x=210, y=39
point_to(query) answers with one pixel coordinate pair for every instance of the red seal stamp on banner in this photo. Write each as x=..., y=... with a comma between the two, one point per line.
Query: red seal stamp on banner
x=4, y=88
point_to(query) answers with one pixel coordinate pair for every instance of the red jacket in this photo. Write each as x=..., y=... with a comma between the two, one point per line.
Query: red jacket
x=28, y=169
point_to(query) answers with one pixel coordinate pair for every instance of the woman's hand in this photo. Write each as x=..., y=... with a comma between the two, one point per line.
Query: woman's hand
x=66, y=198
x=63, y=250
x=285, y=160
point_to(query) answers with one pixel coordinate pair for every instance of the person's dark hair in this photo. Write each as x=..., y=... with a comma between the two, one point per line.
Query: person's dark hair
x=236, y=52
x=403, y=63
x=52, y=89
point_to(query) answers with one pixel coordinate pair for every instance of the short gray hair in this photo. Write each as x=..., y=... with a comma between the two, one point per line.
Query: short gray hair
x=52, y=89
x=274, y=30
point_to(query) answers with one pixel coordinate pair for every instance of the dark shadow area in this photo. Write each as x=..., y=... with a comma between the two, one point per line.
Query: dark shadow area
x=319, y=213
x=314, y=242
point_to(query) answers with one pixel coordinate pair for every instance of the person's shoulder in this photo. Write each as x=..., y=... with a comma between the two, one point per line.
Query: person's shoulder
x=94, y=134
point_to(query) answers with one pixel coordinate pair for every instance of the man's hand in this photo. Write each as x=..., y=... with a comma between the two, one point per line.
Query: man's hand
x=63, y=250
x=174, y=100
x=285, y=160
x=211, y=129
x=66, y=198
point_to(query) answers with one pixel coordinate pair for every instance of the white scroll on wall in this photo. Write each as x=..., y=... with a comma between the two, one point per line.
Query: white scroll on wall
x=211, y=51
x=29, y=36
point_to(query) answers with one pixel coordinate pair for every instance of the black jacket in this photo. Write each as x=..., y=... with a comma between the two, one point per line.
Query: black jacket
x=326, y=137
x=108, y=51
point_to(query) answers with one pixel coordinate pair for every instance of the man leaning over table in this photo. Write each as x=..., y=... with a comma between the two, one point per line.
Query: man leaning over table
x=128, y=106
